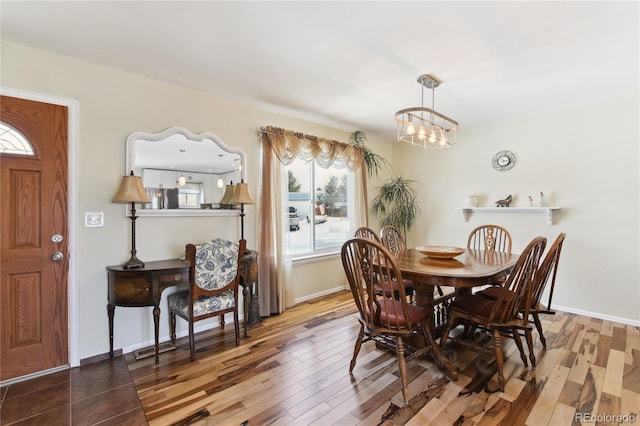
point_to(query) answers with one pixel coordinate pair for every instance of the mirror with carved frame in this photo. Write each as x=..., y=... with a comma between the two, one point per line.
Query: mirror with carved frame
x=185, y=174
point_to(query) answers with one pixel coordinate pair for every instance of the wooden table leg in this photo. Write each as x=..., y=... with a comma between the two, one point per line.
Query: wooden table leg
x=110, y=310
x=424, y=297
x=156, y=325
x=245, y=313
x=442, y=360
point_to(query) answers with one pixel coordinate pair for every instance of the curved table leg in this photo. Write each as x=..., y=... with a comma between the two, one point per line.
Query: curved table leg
x=442, y=360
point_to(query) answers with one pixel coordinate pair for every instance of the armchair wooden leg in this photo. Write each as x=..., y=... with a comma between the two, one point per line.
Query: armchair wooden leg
x=172, y=326
x=192, y=343
x=222, y=321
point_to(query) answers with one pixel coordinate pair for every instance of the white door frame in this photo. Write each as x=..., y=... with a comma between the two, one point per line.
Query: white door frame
x=72, y=209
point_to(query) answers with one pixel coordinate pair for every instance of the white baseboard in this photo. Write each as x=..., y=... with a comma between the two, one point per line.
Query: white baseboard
x=322, y=293
x=165, y=338
x=628, y=321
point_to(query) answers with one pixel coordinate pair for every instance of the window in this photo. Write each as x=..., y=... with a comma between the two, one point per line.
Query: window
x=13, y=142
x=190, y=196
x=318, y=208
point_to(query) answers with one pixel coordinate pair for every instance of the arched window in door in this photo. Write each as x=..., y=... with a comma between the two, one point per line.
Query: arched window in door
x=13, y=142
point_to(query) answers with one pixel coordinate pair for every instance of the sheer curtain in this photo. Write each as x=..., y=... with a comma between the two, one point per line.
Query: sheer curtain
x=280, y=147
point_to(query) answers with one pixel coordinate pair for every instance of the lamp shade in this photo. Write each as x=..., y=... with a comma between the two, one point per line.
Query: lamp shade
x=241, y=194
x=131, y=191
x=228, y=193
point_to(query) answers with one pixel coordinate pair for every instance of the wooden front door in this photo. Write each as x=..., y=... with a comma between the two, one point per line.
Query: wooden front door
x=33, y=238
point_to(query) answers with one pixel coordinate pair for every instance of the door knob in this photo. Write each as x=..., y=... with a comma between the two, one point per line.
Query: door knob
x=57, y=256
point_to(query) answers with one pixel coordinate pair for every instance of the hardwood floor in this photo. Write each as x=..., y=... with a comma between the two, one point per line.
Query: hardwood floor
x=293, y=369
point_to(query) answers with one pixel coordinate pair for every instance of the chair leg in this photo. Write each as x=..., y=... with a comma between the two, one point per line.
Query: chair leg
x=356, y=349
x=172, y=326
x=536, y=321
x=497, y=341
x=222, y=321
x=192, y=343
x=529, y=336
x=402, y=366
x=518, y=340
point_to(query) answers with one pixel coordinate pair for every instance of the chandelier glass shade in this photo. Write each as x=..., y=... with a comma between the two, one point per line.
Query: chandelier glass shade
x=424, y=126
x=182, y=181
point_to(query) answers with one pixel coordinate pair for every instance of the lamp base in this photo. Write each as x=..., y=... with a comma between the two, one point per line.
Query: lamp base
x=133, y=263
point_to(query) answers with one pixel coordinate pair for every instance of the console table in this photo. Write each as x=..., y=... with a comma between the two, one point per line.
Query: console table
x=144, y=286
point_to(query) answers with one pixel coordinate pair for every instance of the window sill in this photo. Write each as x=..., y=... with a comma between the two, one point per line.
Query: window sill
x=315, y=257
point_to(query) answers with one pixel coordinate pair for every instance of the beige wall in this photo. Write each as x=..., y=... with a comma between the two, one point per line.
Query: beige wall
x=112, y=105
x=584, y=159
x=589, y=170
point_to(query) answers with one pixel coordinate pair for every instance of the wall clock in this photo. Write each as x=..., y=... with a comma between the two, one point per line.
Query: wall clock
x=503, y=161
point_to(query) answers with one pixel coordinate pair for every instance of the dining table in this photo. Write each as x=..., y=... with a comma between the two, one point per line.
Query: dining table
x=462, y=272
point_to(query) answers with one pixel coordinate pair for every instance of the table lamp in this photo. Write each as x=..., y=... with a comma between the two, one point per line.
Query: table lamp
x=242, y=196
x=225, y=202
x=132, y=191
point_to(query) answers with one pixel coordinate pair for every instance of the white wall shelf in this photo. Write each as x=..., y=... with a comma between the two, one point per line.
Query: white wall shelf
x=466, y=211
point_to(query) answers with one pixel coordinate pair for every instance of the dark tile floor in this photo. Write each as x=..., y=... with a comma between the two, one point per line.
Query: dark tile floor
x=99, y=393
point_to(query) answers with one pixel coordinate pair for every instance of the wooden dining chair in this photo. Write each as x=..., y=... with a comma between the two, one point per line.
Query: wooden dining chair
x=367, y=265
x=366, y=232
x=393, y=241
x=490, y=238
x=391, y=238
x=213, y=287
x=502, y=315
x=545, y=275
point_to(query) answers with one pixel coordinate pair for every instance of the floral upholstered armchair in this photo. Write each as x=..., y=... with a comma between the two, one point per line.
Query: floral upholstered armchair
x=213, y=289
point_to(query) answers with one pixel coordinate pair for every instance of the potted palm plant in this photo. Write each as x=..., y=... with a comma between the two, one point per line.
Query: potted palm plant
x=372, y=161
x=396, y=204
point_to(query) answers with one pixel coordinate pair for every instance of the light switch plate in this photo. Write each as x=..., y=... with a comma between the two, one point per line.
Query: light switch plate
x=93, y=219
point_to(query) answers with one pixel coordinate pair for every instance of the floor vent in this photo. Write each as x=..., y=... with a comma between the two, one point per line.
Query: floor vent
x=151, y=350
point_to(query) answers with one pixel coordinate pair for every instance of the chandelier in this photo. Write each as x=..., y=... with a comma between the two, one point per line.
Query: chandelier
x=425, y=126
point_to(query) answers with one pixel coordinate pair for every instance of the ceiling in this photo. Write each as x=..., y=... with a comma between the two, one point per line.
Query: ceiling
x=352, y=65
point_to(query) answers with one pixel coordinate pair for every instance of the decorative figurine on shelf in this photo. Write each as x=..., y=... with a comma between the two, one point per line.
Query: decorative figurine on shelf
x=541, y=199
x=530, y=201
x=505, y=202
x=470, y=201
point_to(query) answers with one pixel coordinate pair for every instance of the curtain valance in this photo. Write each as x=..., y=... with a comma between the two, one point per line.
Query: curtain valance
x=289, y=145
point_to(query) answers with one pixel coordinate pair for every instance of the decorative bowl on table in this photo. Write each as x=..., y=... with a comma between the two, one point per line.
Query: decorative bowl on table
x=440, y=252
